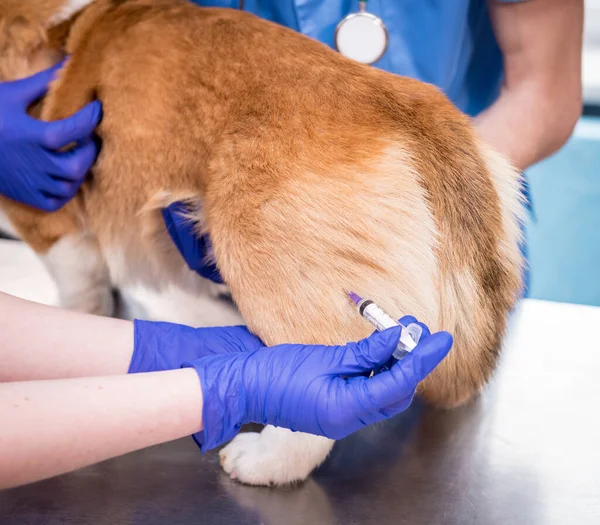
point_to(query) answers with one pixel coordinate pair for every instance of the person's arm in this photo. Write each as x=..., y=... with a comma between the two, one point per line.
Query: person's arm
x=43, y=342
x=51, y=427
x=540, y=100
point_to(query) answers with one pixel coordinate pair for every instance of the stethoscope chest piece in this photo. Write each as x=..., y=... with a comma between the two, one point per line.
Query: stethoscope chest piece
x=362, y=36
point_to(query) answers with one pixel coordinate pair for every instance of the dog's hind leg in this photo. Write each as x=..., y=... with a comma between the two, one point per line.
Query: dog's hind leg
x=70, y=253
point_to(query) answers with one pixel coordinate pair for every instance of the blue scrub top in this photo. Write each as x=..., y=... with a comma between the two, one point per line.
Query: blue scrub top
x=449, y=43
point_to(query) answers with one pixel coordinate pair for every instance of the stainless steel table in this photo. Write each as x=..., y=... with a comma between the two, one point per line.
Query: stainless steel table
x=526, y=452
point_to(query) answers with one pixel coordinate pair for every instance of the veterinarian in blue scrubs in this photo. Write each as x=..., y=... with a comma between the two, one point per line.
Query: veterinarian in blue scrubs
x=513, y=65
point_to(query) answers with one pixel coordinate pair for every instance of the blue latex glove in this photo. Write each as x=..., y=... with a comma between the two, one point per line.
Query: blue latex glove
x=300, y=387
x=165, y=346
x=195, y=250
x=31, y=170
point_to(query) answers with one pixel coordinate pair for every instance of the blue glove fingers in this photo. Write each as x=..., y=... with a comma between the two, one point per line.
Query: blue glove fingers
x=59, y=133
x=194, y=249
x=182, y=230
x=182, y=233
x=407, y=319
x=50, y=204
x=373, y=351
x=395, y=409
x=31, y=172
x=401, y=380
x=30, y=89
x=50, y=187
x=211, y=272
x=52, y=194
x=67, y=172
x=426, y=332
x=58, y=189
x=19, y=185
x=75, y=164
x=367, y=354
x=427, y=356
x=179, y=218
x=168, y=216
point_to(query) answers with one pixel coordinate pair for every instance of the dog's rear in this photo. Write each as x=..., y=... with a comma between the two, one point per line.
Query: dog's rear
x=406, y=207
x=314, y=175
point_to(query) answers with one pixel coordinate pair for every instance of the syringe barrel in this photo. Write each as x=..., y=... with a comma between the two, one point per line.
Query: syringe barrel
x=375, y=315
x=382, y=321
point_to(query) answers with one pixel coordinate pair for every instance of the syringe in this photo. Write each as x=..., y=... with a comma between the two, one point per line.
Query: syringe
x=410, y=335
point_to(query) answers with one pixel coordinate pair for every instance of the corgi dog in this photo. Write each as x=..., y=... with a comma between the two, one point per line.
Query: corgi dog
x=312, y=174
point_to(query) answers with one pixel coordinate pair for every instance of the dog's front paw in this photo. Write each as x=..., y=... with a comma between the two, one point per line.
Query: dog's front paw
x=276, y=456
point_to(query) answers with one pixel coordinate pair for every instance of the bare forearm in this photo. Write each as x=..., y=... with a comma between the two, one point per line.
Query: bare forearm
x=540, y=101
x=51, y=427
x=43, y=342
x=522, y=127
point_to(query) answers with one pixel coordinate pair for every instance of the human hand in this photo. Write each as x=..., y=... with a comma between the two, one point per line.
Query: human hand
x=195, y=250
x=301, y=387
x=166, y=346
x=32, y=171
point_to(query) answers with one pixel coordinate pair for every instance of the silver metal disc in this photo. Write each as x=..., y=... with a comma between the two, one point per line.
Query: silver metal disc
x=362, y=37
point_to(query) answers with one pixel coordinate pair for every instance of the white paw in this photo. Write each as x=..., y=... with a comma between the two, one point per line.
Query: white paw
x=276, y=456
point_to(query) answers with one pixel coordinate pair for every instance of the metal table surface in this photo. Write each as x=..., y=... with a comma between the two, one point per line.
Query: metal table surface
x=526, y=452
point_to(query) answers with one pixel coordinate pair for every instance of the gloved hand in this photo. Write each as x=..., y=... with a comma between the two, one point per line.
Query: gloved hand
x=165, y=346
x=31, y=170
x=300, y=387
x=195, y=250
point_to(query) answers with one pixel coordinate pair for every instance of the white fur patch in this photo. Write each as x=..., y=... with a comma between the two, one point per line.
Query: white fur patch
x=69, y=8
x=80, y=273
x=276, y=456
x=169, y=291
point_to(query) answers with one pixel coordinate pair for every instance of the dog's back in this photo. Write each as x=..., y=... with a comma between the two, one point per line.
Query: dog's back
x=312, y=174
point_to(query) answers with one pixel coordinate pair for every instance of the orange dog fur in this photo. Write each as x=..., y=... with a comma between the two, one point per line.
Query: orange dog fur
x=312, y=174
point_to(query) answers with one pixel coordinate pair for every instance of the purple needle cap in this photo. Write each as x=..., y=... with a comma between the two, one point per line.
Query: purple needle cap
x=354, y=297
